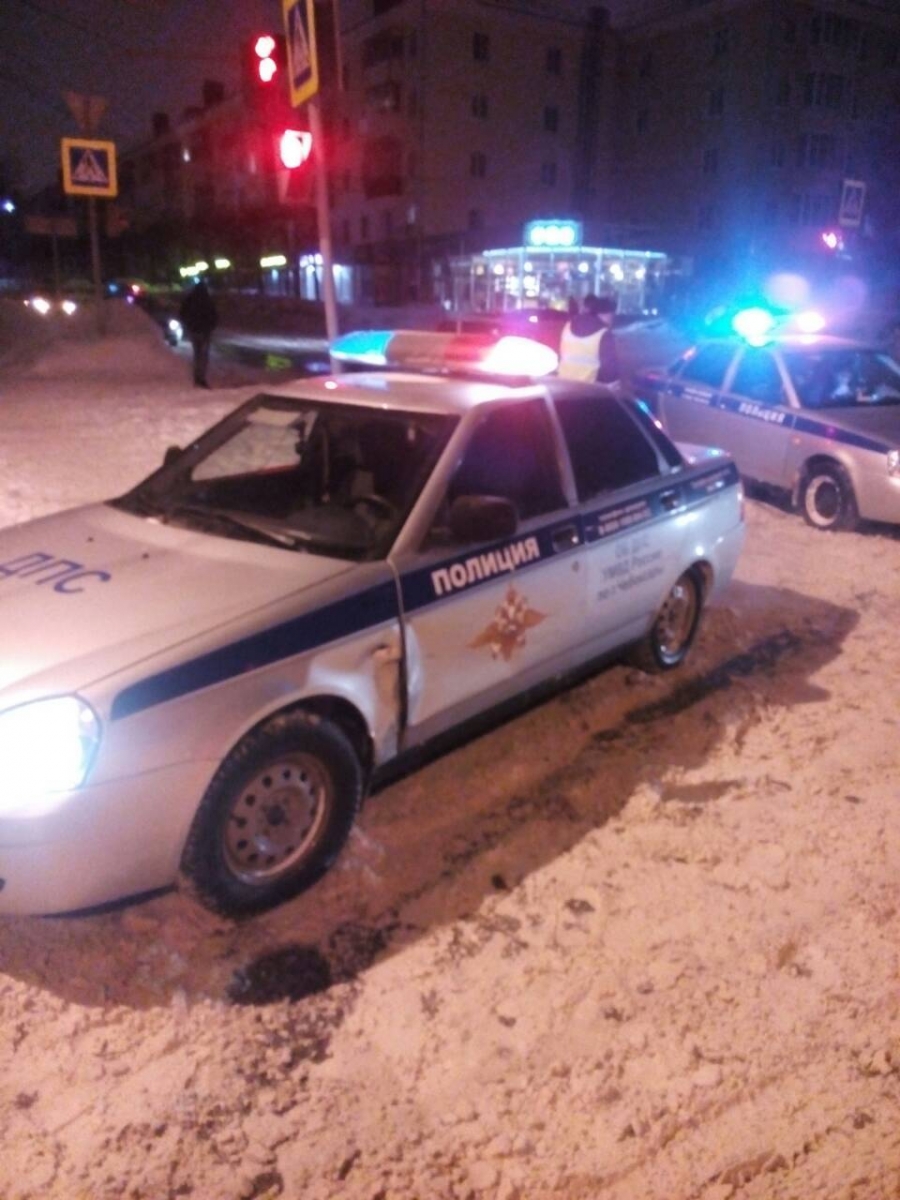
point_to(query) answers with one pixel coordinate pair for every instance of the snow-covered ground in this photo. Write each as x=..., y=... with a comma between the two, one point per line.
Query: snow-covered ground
x=639, y=943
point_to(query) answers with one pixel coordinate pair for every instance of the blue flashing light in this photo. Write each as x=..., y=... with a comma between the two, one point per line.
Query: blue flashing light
x=754, y=325
x=365, y=346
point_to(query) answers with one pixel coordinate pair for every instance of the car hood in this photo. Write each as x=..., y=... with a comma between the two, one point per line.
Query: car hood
x=90, y=591
x=882, y=423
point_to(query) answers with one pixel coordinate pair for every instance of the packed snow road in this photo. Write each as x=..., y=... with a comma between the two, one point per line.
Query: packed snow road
x=637, y=942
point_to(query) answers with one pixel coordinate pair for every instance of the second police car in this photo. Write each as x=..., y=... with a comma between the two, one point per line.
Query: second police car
x=201, y=677
x=815, y=416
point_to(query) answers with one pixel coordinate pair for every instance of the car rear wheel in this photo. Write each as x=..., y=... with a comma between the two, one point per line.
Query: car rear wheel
x=675, y=627
x=275, y=815
x=826, y=498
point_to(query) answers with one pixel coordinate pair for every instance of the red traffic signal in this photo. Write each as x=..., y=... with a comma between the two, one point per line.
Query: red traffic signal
x=267, y=57
x=294, y=147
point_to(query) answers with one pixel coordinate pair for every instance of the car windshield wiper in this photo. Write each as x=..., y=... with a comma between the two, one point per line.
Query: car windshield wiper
x=215, y=520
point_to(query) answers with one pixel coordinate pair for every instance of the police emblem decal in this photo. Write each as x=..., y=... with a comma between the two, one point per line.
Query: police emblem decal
x=506, y=633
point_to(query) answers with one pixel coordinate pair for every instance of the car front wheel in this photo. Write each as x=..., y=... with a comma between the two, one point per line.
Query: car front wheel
x=275, y=815
x=675, y=627
x=826, y=498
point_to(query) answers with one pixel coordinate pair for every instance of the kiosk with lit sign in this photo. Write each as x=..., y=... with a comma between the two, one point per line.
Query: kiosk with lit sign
x=553, y=269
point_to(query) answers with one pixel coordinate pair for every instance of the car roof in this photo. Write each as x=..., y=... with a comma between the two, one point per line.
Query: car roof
x=426, y=393
x=793, y=341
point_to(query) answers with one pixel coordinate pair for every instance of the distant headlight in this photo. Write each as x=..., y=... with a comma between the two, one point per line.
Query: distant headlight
x=893, y=462
x=39, y=304
x=69, y=307
x=46, y=746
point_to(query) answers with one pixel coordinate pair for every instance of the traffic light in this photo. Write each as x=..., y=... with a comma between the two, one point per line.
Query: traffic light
x=265, y=58
x=264, y=49
x=294, y=147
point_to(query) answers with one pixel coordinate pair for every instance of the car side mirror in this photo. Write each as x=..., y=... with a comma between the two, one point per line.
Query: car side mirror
x=482, y=518
x=171, y=454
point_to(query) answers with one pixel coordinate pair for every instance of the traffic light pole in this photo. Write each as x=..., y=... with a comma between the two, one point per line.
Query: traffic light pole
x=324, y=219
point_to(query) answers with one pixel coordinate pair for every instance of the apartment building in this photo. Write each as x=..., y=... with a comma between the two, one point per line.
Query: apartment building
x=741, y=123
x=675, y=131
x=208, y=185
x=457, y=123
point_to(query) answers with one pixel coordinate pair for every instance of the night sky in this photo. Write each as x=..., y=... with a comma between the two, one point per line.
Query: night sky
x=143, y=56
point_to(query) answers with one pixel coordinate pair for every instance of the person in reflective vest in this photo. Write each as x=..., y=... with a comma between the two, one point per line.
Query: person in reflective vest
x=587, y=348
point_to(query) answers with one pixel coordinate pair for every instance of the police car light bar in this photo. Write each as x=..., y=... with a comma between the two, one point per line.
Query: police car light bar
x=757, y=326
x=419, y=350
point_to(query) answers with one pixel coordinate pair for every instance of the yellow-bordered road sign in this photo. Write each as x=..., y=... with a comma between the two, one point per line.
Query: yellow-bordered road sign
x=89, y=167
x=302, y=61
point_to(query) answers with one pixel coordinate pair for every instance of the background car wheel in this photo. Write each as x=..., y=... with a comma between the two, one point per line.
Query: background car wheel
x=826, y=498
x=275, y=815
x=675, y=627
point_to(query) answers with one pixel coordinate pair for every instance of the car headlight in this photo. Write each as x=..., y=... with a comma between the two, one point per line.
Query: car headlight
x=46, y=746
x=893, y=460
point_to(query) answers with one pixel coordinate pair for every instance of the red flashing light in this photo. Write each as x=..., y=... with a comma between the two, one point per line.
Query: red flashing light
x=294, y=147
x=265, y=46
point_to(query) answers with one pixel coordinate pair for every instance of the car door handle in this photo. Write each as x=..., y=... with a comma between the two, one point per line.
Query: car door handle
x=670, y=500
x=565, y=538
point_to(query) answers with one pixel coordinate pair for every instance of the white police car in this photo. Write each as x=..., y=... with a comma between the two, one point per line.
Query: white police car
x=813, y=415
x=201, y=677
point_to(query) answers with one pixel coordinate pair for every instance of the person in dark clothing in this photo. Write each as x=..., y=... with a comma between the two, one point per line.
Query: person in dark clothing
x=199, y=317
x=587, y=349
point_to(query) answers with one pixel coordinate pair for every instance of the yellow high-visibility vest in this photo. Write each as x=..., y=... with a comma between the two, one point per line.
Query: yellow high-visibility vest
x=579, y=357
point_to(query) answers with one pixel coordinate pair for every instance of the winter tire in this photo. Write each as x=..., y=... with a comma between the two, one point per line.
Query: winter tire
x=675, y=627
x=275, y=815
x=826, y=498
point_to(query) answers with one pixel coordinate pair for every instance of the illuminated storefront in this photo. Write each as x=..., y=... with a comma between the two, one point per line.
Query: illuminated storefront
x=552, y=269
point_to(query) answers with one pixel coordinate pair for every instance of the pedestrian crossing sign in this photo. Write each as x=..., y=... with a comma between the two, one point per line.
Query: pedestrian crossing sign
x=89, y=167
x=300, y=38
x=853, y=197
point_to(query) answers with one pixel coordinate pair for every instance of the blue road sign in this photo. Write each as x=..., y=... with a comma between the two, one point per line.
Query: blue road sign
x=89, y=167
